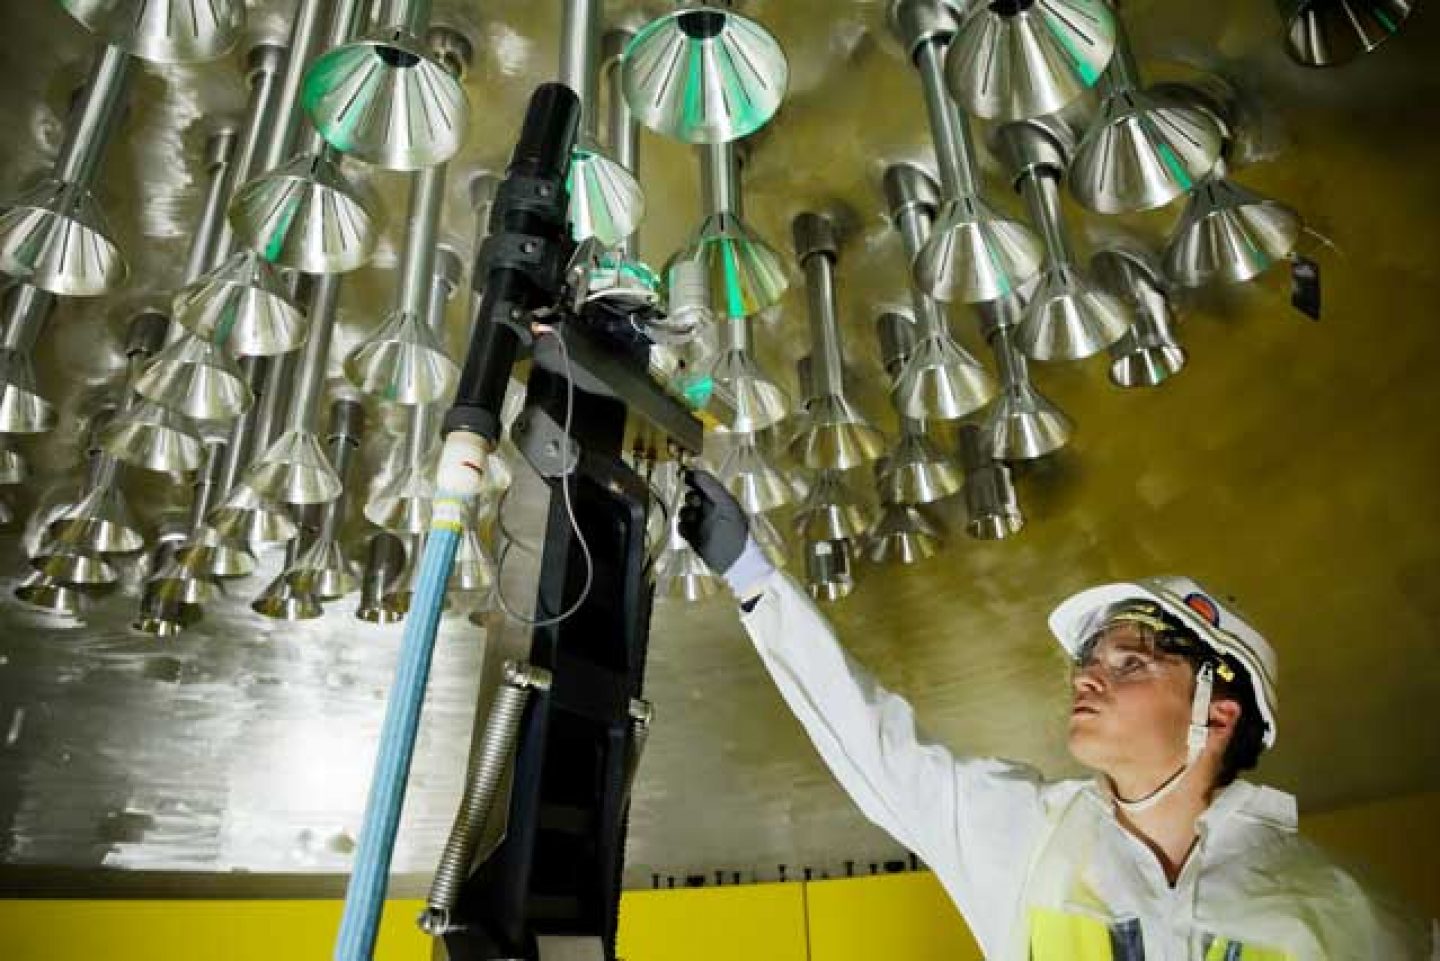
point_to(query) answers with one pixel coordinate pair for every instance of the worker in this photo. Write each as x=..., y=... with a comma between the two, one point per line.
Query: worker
x=1165, y=854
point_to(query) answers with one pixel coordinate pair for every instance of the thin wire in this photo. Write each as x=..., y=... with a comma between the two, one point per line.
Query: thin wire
x=569, y=512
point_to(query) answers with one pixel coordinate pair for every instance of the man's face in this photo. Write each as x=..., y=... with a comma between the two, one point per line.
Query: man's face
x=1131, y=704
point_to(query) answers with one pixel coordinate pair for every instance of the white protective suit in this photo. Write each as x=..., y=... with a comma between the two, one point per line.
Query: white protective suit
x=1042, y=870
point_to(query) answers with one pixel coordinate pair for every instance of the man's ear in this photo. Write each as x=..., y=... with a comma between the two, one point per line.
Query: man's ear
x=1224, y=715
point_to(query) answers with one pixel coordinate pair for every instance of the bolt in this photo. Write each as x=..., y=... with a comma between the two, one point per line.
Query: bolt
x=529, y=247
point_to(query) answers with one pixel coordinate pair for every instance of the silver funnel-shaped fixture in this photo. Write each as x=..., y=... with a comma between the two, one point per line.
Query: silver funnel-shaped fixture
x=975, y=254
x=283, y=598
x=992, y=508
x=202, y=548
x=193, y=376
x=474, y=569
x=829, y=569
x=1229, y=234
x=940, y=380
x=832, y=510
x=13, y=468
x=102, y=521
x=54, y=236
x=1149, y=354
x=1022, y=425
x=398, y=595
x=385, y=99
x=245, y=517
x=1141, y=152
x=322, y=569
x=753, y=402
x=404, y=361
x=164, y=31
x=73, y=564
x=50, y=595
x=1067, y=318
x=836, y=435
x=679, y=571
x=902, y=535
x=917, y=471
x=165, y=617
x=308, y=216
x=242, y=306
x=145, y=434
x=704, y=74
x=385, y=559
x=749, y=473
x=741, y=273
x=1328, y=33
x=22, y=409
x=178, y=578
x=606, y=202
x=1014, y=59
x=295, y=469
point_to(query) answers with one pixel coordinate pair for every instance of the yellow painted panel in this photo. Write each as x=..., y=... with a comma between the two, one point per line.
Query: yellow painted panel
x=754, y=922
x=897, y=916
x=214, y=930
x=1395, y=841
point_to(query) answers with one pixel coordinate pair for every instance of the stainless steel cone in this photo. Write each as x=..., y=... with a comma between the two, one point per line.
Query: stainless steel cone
x=308, y=216
x=902, y=535
x=681, y=574
x=247, y=518
x=398, y=595
x=918, y=472
x=54, y=236
x=829, y=573
x=402, y=505
x=207, y=551
x=832, y=510
x=704, y=75
x=768, y=537
x=836, y=436
x=50, y=595
x=154, y=438
x=1024, y=425
x=606, y=202
x=22, y=409
x=1069, y=318
x=974, y=255
x=294, y=470
x=13, y=469
x=941, y=381
x=754, y=401
x=384, y=100
x=757, y=483
x=70, y=564
x=992, y=509
x=1230, y=234
x=181, y=582
x=164, y=31
x=243, y=306
x=742, y=273
x=198, y=379
x=385, y=558
x=165, y=617
x=1327, y=33
x=100, y=523
x=1013, y=59
x=473, y=570
x=324, y=572
x=282, y=600
x=1148, y=354
x=403, y=362
x=1141, y=153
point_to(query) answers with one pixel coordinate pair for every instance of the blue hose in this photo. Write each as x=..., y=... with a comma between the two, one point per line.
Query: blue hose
x=365, y=896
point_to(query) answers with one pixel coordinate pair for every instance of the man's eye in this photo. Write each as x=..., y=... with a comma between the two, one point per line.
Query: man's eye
x=1130, y=664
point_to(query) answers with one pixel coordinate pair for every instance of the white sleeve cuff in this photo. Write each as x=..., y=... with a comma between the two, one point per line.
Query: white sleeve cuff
x=750, y=571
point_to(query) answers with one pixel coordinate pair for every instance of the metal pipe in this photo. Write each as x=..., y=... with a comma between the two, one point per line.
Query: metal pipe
x=579, y=58
x=207, y=485
x=303, y=43
x=265, y=62
x=817, y=247
x=1123, y=74
x=310, y=376
x=915, y=223
x=422, y=227
x=90, y=127
x=347, y=429
x=623, y=132
x=492, y=758
x=258, y=377
x=949, y=127
x=219, y=158
x=1041, y=188
x=1008, y=359
x=27, y=308
x=737, y=333
x=409, y=15
x=720, y=179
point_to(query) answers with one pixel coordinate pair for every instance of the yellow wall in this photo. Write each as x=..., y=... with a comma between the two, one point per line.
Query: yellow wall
x=902, y=917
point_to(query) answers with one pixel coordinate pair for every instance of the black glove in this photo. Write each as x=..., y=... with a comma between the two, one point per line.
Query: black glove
x=713, y=521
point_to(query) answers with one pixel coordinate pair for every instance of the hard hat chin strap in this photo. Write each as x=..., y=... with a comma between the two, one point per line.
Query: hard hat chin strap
x=1195, y=741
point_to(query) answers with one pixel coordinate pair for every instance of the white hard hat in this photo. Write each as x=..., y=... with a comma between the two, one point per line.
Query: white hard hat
x=1077, y=619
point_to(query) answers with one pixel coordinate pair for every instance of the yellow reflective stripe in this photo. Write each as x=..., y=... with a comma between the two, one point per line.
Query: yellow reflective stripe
x=1057, y=936
x=1223, y=949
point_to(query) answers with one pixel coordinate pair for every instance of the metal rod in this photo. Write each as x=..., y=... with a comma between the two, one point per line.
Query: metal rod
x=347, y=420
x=579, y=58
x=310, y=377
x=259, y=377
x=266, y=61
x=720, y=179
x=1008, y=359
x=949, y=127
x=737, y=333
x=623, y=132
x=1123, y=74
x=410, y=15
x=27, y=307
x=915, y=224
x=304, y=40
x=90, y=127
x=824, y=330
x=220, y=155
x=208, y=483
x=422, y=227
x=1041, y=187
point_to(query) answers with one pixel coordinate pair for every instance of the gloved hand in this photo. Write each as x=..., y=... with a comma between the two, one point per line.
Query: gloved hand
x=716, y=526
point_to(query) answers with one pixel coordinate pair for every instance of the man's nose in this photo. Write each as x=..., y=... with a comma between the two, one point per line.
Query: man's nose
x=1087, y=680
